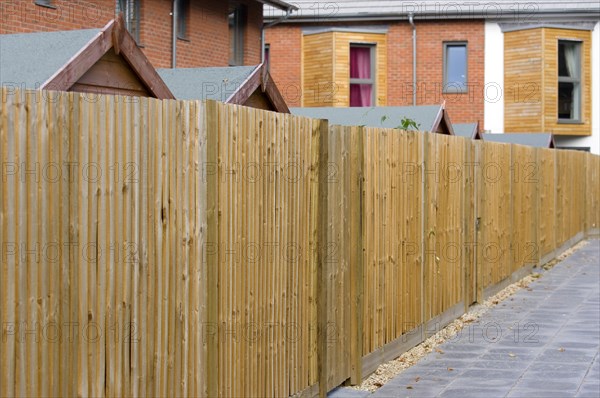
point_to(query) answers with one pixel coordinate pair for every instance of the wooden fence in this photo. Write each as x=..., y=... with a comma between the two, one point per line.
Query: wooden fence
x=178, y=248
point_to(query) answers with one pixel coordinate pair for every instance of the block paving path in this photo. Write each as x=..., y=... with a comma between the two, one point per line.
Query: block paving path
x=541, y=342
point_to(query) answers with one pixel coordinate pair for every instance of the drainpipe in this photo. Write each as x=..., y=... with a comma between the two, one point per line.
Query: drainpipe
x=174, y=44
x=414, y=56
x=288, y=12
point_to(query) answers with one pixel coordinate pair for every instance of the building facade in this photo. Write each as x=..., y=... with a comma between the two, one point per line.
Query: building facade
x=510, y=66
x=171, y=33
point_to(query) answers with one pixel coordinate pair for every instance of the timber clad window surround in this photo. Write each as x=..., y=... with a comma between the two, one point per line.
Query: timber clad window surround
x=362, y=75
x=344, y=68
x=237, y=24
x=183, y=7
x=131, y=16
x=455, y=67
x=569, y=81
x=547, y=80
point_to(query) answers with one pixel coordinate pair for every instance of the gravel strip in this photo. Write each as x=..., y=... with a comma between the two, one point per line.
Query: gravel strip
x=387, y=371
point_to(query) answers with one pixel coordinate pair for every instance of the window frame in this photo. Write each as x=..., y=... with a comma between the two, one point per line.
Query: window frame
x=373, y=79
x=183, y=11
x=453, y=89
x=565, y=79
x=267, y=59
x=133, y=27
x=237, y=21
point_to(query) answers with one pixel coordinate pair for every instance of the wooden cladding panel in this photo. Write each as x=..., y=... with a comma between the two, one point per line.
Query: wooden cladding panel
x=318, y=64
x=523, y=63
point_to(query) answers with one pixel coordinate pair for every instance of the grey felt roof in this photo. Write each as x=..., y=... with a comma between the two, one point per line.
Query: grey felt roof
x=440, y=9
x=465, y=129
x=379, y=116
x=205, y=83
x=541, y=140
x=27, y=60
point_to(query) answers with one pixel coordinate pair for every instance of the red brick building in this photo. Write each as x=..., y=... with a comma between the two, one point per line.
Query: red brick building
x=309, y=57
x=208, y=32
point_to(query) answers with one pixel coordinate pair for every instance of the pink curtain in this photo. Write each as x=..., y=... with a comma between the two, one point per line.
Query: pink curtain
x=360, y=68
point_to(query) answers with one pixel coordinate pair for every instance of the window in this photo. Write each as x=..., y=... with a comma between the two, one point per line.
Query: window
x=362, y=75
x=267, y=56
x=455, y=67
x=237, y=23
x=183, y=7
x=131, y=16
x=569, y=81
x=44, y=3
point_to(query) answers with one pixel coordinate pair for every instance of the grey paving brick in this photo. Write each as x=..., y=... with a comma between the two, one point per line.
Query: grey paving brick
x=343, y=392
x=473, y=392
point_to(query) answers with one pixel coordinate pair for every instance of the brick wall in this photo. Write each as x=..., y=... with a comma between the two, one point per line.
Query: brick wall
x=207, y=43
x=21, y=16
x=286, y=60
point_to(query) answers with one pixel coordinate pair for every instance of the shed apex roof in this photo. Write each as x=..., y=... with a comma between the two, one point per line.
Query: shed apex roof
x=425, y=116
x=540, y=140
x=468, y=130
x=217, y=83
x=27, y=60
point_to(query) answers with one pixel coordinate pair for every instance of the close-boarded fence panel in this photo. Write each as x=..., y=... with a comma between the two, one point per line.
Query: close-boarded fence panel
x=592, y=194
x=101, y=250
x=262, y=179
x=180, y=248
x=443, y=229
x=392, y=243
x=525, y=179
x=495, y=214
x=546, y=228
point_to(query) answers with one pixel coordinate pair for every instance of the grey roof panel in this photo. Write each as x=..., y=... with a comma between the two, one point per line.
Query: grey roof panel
x=205, y=83
x=465, y=129
x=540, y=140
x=27, y=60
x=440, y=9
x=379, y=116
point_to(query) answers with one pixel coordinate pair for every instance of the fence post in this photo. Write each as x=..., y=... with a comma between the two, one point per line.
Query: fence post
x=211, y=332
x=357, y=256
x=537, y=209
x=480, y=148
x=424, y=272
x=322, y=274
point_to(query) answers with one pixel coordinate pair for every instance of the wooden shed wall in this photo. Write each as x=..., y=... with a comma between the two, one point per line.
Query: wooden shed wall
x=111, y=75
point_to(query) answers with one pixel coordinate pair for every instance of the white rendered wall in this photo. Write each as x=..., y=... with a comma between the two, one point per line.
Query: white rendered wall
x=493, y=110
